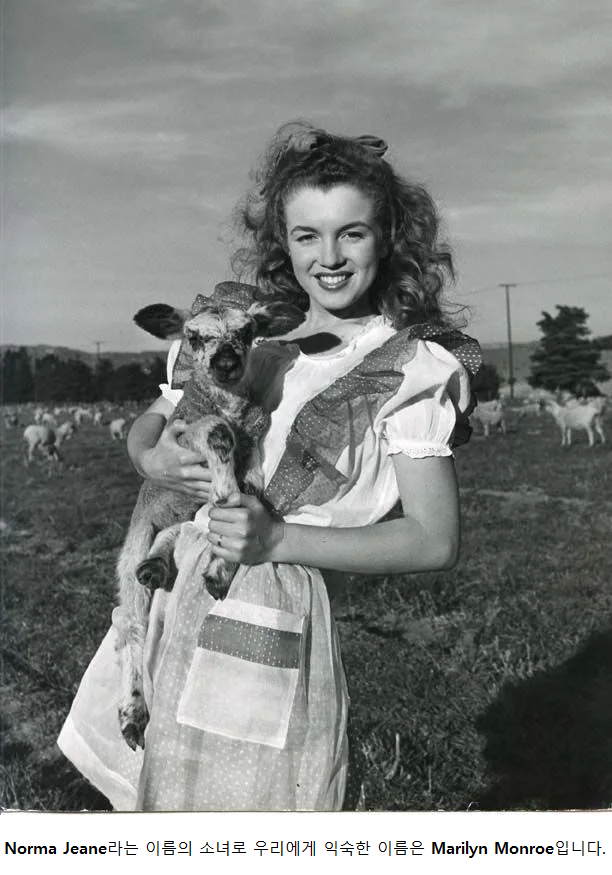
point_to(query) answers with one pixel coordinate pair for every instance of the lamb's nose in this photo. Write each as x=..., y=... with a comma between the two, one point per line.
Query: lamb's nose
x=226, y=360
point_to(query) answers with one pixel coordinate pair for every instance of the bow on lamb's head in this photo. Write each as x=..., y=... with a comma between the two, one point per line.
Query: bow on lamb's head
x=219, y=330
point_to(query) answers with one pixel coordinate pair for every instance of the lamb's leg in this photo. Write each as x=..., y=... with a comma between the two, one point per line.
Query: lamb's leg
x=155, y=571
x=599, y=429
x=133, y=614
x=253, y=481
x=216, y=440
x=589, y=432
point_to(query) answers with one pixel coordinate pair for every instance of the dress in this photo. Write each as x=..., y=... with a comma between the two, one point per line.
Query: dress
x=220, y=756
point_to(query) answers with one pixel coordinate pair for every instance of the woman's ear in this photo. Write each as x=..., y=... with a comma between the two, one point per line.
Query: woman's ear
x=275, y=318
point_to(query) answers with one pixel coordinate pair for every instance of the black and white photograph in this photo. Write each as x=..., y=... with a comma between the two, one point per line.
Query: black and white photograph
x=306, y=390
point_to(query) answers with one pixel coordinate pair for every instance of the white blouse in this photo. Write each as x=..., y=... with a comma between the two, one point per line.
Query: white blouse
x=419, y=420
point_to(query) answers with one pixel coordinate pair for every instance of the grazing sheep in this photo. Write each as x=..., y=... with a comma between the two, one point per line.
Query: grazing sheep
x=11, y=419
x=117, y=429
x=224, y=426
x=47, y=440
x=490, y=413
x=579, y=415
x=97, y=417
x=65, y=431
x=43, y=439
x=529, y=408
x=80, y=414
x=49, y=420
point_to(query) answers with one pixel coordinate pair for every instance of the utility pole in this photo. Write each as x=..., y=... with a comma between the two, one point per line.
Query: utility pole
x=507, y=287
x=98, y=344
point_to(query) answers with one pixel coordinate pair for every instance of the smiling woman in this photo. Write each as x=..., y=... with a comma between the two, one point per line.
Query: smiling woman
x=248, y=701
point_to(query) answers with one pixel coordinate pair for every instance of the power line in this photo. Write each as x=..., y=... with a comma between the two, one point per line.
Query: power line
x=551, y=280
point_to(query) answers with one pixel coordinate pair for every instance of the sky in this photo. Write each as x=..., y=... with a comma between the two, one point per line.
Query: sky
x=130, y=128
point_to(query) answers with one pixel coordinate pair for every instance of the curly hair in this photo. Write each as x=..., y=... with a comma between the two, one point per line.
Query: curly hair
x=414, y=266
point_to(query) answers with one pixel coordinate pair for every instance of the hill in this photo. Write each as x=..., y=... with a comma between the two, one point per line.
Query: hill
x=494, y=354
x=65, y=353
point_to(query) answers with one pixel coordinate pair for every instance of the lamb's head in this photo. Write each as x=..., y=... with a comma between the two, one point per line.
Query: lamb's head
x=221, y=337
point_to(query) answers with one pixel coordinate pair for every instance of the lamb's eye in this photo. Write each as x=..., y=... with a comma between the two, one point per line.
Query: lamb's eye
x=195, y=340
x=245, y=335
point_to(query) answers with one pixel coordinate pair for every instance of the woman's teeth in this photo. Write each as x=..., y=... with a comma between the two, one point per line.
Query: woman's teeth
x=331, y=282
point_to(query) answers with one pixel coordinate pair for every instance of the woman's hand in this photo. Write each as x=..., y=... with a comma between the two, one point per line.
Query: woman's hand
x=245, y=534
x=172, y=466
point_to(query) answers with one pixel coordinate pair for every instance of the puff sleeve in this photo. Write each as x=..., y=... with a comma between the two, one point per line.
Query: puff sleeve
x=170, y=394
x=421, y=418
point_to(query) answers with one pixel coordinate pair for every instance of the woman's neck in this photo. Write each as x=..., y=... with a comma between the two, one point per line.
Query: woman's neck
x=318, y=321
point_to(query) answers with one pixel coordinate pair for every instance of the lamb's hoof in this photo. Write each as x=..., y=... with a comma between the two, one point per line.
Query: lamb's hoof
x=133, y=722
x=218, y=589
x=153, y=573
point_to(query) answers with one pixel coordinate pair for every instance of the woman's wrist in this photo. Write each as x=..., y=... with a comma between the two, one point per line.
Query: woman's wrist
x=280, y=548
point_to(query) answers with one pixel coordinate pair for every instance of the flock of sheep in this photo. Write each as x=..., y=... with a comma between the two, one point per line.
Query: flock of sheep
x=570, y=414
x=50, y=429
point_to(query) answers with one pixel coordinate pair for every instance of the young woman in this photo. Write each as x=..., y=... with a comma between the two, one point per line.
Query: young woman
x=248, y=701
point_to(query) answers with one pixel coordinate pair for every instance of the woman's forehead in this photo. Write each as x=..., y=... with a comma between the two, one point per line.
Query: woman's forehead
x=342, y=203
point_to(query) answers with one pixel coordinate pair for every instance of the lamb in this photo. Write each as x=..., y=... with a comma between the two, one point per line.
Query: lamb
x=65, y=431
x=224, y=426
x=586, y=416
x=11, y=419
x=49, y=420
x=43, y=439
x=117, y=429
x=490, y=413
x=80, y=414
x=47, y=440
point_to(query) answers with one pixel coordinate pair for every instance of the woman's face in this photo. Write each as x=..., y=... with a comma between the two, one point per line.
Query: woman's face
x=334, y=246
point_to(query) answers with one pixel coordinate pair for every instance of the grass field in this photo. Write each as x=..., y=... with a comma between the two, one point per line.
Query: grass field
x=488, y=686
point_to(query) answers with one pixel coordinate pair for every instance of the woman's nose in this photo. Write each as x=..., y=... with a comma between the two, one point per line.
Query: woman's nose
x=331, y=253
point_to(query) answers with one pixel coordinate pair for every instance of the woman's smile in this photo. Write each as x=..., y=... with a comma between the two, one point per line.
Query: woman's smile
x=333, y=280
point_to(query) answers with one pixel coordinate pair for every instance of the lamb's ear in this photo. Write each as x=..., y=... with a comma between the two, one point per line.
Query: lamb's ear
x=162, y=320
x=275, y=318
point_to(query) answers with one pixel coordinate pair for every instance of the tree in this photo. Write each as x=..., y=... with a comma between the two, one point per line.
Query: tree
x=130, y=383
x=102, y=380
x=566, y=356
x=16, y=380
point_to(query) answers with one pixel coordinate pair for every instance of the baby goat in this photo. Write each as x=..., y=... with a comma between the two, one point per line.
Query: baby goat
x=488, y=414
x=224, y=426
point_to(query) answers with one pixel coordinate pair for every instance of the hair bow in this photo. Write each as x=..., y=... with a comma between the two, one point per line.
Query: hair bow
x=375, y=145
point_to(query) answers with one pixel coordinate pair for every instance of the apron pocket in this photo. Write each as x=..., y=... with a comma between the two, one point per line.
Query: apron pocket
x=245, y=672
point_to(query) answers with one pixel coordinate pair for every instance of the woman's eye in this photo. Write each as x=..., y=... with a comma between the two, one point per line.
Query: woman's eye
x=354, y=235
x=305, y=238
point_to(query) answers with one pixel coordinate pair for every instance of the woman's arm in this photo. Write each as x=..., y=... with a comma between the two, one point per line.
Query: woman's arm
x=157, y=456
x=426, y=538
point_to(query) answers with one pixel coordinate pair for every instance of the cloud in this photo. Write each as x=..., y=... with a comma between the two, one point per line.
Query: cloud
x=132, y=124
